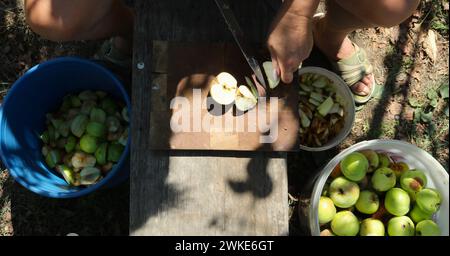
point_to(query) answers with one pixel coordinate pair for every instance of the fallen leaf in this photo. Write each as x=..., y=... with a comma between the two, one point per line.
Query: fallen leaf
x=414, y=102
x=432, y=94
x=429, y=45
x=446, y=111
x=417, y=115
x=426, y=117
x=443, y=91
x=434, y=102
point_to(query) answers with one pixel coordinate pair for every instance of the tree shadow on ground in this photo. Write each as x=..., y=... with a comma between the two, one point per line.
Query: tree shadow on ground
x=394, y=62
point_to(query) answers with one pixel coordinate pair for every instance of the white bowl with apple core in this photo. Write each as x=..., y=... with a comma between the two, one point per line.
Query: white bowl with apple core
x=415, y=157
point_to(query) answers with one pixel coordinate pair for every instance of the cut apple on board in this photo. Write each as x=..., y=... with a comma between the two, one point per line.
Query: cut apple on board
x=270, y=74
x=245, y=99
x=223, y=89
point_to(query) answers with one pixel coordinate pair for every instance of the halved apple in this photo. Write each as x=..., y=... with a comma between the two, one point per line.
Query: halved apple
x=223, y=89
x=270, y=74
x=245, y=99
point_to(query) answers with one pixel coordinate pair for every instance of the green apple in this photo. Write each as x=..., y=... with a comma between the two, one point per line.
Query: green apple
x=399, y=168
x=371, y=227
x=400, y=226
x=373, y=159
x=383, y=179
x=368, y=202
x=326, y=210
x=354, y=166
x=429, y=200
x=384, y=160
x=397, y=202
x=427, y=228
x=344, y=192
x=345, y=223
x=88, y=143
x=418, y=215
x=413, y=181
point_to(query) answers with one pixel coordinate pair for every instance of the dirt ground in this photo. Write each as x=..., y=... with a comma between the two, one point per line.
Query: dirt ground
x=411, y=66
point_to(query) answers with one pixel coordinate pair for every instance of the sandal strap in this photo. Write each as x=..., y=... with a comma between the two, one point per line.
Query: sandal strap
x=355, y=67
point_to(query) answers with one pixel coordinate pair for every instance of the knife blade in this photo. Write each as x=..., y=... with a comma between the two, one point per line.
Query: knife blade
x=239, y=37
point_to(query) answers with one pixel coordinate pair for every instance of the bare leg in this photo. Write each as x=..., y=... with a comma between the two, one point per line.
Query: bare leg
x=71, y=20
x=345, y=16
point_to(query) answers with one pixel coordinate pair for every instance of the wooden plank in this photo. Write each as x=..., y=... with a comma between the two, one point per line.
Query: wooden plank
x=171, y=191
x=234, y=196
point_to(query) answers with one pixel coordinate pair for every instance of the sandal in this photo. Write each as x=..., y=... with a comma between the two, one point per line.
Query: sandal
x=353, y=69
x=109, y=53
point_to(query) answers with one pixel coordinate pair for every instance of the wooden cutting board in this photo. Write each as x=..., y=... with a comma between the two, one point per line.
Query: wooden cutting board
x=182, y=73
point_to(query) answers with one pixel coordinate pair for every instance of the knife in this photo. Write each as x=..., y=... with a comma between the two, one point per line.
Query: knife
x=238, y=35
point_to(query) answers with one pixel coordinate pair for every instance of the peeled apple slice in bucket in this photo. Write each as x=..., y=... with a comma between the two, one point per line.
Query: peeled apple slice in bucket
x=96, y=129
x=71, y=177
x=78, y=125
x=100, y=153
x=114, y=152
x=89, y=175
x=98, y=115
x=223, y=89
x=81, y=160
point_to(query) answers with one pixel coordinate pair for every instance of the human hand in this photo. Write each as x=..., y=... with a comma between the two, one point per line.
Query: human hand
x=290, y=42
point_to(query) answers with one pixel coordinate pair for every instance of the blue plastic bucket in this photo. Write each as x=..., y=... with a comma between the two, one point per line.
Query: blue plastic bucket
x=22, y=119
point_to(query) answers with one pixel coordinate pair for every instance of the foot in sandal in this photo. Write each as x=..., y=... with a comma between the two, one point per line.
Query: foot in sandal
x=349, y=61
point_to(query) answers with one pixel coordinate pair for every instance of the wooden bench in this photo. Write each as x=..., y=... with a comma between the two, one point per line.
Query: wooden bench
x=199, y=192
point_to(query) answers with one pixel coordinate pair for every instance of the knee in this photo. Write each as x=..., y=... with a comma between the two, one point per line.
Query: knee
x=388, y=13
x=383, y=13
x=50, y=23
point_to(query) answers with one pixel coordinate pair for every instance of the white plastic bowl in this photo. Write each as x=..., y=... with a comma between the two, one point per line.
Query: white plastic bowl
x=399, y=151
x=345, y=93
